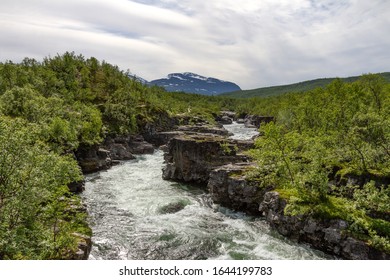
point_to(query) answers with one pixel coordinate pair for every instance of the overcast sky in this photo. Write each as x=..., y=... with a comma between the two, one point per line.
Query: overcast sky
x=250, y=42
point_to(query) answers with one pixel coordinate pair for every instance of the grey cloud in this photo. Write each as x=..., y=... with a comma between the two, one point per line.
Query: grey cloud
x=252, y=43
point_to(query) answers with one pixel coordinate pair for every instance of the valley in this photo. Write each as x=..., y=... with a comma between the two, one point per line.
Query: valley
x=304, y=175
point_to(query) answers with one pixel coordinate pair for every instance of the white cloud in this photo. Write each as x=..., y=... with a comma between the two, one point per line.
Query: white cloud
x=252, y=43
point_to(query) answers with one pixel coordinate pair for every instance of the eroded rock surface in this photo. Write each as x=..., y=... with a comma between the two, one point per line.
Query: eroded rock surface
x=84, y=246
x=229, y=187
x=191, y=158
x=96, y=158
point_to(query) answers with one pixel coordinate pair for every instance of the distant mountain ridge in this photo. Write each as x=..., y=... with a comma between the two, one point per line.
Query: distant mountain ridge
x=296, y=87
x=194, y=83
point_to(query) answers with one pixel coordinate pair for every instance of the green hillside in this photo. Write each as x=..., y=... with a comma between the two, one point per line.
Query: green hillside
x=297, y=87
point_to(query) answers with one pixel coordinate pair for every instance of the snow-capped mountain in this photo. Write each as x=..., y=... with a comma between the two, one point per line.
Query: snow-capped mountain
x=194, y=83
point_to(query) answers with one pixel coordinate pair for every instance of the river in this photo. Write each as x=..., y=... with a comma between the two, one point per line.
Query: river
x=127, y=212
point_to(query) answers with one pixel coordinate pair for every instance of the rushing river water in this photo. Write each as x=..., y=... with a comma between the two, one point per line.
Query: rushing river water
x=126, y=208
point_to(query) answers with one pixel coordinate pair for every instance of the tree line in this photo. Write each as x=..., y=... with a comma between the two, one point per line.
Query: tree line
x=328, y=154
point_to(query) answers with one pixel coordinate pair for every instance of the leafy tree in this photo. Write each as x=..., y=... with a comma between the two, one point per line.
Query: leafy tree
x=33, y=183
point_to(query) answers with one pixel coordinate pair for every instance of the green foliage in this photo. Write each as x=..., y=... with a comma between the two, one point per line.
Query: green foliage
x=373, y=198
x=119, y=112
x=322, y=138
x=228, y=149
x=292, y=160
x=33, y=194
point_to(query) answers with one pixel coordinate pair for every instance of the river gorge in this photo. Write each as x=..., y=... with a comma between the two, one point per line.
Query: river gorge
x=135, y=214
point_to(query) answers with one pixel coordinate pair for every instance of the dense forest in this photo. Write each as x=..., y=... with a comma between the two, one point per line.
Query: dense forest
x=327, y=153
x=50, y=109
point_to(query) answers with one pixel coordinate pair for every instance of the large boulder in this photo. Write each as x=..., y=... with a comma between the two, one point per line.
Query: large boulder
x=120, y=152
x=226, y=120
x=77, y=187
x=252, y=121
x=84, y=245
x=137, y=145
x=93, y=159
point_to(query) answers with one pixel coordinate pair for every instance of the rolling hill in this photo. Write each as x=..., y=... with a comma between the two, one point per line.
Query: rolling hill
x=297, y=87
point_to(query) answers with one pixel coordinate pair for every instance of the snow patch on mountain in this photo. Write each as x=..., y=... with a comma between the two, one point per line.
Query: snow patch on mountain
x=194, y=83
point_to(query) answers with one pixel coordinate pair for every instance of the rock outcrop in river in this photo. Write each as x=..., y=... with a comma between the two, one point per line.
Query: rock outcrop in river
x=96, y=158
x=229, y=187
x=191, y=158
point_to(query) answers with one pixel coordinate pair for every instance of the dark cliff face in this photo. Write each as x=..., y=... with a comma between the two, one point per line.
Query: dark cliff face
x=191, y=158
x=193, y=83
x=229, y=187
